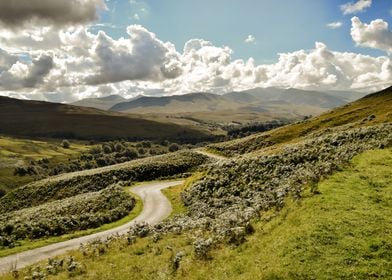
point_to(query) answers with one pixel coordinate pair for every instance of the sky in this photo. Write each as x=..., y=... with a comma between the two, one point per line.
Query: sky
x=66, y=50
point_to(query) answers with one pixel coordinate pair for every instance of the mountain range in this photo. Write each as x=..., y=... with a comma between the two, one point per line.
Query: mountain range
x=254, y=100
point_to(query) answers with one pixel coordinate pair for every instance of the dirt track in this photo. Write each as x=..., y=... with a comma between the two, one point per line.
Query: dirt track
x=156, y=207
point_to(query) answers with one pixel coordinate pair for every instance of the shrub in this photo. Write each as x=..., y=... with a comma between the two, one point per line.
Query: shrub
x=174, y=147
x=2, y=192
x=202, y=248
x=59, y=217
x=234, y=192
x=65, y=144
x=93, y=180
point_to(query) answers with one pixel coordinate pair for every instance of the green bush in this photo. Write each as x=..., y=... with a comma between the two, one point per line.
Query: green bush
x=93, y=180
x=65, y=144
x=55, y=218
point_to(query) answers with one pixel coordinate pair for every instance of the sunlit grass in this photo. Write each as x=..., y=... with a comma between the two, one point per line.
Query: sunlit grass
x=174, y=194
x=14, y=152
x=345, y=232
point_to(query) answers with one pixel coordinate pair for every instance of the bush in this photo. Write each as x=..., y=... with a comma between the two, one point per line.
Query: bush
x=234, y=192
x=2, y=192
x=202, y=248
x=63, y=216
x=65, y=144
x=72, y=184
x=174, y=147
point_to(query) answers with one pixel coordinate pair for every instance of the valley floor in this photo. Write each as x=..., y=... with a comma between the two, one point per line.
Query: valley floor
x=340, y=230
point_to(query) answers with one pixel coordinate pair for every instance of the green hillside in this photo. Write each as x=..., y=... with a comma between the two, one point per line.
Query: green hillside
x=370, y=110
x=43, y=119
x=310, y=202
x=19, y=152
x=303, y=241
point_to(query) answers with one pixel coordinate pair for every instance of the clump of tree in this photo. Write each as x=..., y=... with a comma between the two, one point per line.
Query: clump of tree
x=238, y=131
x=105, y=154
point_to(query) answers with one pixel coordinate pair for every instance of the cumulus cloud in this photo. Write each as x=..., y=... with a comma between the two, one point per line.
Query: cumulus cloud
x=374, y=35
x=58, y=12
x=355, y=7
x=250, y=39
x=73, y=63
x=23, y=75
x=335, y=24
x=141, y=57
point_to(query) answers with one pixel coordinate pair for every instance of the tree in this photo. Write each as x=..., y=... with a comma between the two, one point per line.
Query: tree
x=65, y=144
x=174, y=147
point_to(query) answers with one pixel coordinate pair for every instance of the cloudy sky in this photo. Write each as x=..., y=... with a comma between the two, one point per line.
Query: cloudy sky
x=65, y=50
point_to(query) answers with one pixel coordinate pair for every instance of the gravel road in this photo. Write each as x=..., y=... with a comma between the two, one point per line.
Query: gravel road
x=156, y=207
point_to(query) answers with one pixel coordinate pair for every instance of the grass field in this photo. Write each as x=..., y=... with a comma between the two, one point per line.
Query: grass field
x=305, y=240
x=16, y=152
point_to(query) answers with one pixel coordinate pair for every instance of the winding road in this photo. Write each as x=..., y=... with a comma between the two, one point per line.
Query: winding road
x=156, y=207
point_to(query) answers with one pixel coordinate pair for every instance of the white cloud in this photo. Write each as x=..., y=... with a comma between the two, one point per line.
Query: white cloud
x=142, y=57
x=23, y=75
x=335, y=24
x=250, y=39
x=374, y=35
x=74, y=63
x=355, y=7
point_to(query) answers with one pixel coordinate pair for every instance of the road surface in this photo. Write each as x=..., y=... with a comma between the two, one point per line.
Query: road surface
x=156, y=207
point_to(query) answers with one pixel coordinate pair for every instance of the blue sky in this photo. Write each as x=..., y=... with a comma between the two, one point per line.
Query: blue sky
x=278, y=26
x=65, y=50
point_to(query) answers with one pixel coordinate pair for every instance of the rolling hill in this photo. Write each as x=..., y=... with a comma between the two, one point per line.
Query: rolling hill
x=52, y=120
x=255, y=100
x=287, y=96
x=188, y=103
x=264, y=215
x=372, y=109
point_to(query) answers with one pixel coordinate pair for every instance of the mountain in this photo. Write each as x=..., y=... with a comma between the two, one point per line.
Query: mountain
x=255, y=100
x=102, y=103
x=372, y=109
x=288, y=96
x=188, y=103
x=349, y=96
x=53, y=120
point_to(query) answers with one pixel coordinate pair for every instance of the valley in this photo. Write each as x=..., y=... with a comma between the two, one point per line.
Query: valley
x=195, y=140
x=277, y=190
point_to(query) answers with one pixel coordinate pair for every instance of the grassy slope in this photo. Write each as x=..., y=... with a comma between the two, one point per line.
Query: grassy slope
x=343, y=233
x=43, y=119
x=303, y=241
x=174, y=194
x=355, y=113
x=14, y=152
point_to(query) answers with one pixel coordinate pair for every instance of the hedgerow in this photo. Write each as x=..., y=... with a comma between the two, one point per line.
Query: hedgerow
x=55, y=218
x=106, y=154
x=71, y=184
x=222, y=205
x=234, y=192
